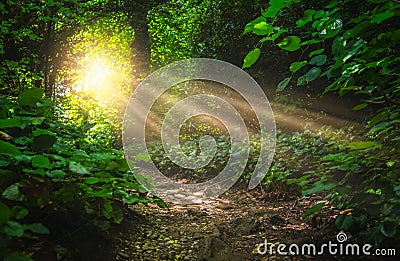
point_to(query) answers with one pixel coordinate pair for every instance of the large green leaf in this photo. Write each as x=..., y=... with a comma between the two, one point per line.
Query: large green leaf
x=30, y=97
x=41, y=161
x=14, y=229
x=251, y=58
x=262, y=28
x=12, y=122
x=8, y=148
x=313, y=74
x=318, y=60
x=12, y=192
x=290, y=43
x=250, y=26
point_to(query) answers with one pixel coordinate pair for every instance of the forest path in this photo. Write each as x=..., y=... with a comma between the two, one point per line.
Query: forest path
x=227, y=228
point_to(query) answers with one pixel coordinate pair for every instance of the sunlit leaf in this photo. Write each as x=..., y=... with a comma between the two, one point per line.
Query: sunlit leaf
x=262, y=28
x=359, y=145
x=251, y=58
x=319, y=51
x=295, y=66
x=290, y=43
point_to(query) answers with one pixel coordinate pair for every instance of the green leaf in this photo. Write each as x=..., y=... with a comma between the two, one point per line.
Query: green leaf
x=390, y=163
x=56, y=174
x=78, y=168
x=250, y=26
x=251, y=58
x=295, y=66
x=12, y=193
x=262, y=28
x=282, y=85
x=307, y=17
x=319, y=51
x=378, y=18
x=360, y=106
x=30, y=97
x=377, y=118
x=13, y=229
x=318, y=60
x=301, y=80
x=93, y=180
x=160, y=203
x=290, y=43
x=319, y=186
x=5, y=213
x=315, y=208
x=332, y=28
x=19, y=212
x=37, y=228
x=313, y=74
x=8, y=148
x=13, y=122
x=359, y=145
x=38, y=132
x=41, y=161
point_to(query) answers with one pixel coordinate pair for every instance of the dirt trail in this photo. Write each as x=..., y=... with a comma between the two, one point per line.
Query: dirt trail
x=227, y=228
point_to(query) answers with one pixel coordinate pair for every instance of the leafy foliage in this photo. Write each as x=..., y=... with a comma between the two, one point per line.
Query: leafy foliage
x=356, y=48
x=48, y=164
